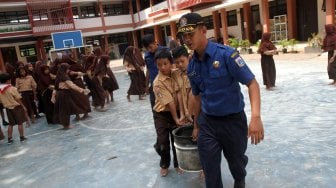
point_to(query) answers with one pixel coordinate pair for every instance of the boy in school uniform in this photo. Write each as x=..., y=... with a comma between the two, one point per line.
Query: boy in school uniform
x=181, y=59
x=165, y=109
x=152, y=46
x=11, y=100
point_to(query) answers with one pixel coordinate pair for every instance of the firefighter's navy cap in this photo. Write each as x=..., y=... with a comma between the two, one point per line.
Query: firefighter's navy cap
x=189, y=22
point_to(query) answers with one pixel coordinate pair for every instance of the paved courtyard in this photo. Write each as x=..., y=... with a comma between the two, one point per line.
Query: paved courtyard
x=114, y=149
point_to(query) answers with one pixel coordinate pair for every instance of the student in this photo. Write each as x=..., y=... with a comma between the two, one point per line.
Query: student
x=165, y=110
x=75, y=74
x=181, y=59
x=134, y=65
x=26, y=86
x=11, y=100
x=46, y=86
x=267, y=50
x=220, y=124
x=65, y=105
x=109, y=81
x=148, y=41
x=329, y=45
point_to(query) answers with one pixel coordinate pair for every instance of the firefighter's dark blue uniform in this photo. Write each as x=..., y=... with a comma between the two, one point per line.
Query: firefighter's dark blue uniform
x=222, y=121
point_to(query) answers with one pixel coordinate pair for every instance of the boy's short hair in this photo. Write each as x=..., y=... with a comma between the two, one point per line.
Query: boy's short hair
x=4, y=77
x=163, y=54
x=147, y=40
x=180, y=51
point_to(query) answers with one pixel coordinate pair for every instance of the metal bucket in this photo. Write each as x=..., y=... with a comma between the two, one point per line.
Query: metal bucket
x=186, y=149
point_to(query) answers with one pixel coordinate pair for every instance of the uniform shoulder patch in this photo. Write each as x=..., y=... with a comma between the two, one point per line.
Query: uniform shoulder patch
x=234, y=54
x=239, y=61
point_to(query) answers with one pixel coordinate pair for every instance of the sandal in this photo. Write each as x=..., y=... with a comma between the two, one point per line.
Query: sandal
x=164, y=172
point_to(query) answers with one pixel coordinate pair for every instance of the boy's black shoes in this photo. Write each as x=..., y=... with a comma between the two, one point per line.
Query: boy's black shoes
x=22, y=138
x=239, y=184
x=10, y=141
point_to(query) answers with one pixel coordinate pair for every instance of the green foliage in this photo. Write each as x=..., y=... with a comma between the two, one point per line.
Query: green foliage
x=315, y=40
x=234, y=43
x=292, y=43
x=112, y=55
x=257, y=44
x=284, y=43
x=11, y=29
x=245, y=44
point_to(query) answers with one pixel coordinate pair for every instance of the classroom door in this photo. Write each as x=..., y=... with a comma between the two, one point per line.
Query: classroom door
x=307, y=18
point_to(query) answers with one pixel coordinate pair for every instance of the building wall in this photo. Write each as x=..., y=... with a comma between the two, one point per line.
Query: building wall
x=321, y=18
x=144, y=20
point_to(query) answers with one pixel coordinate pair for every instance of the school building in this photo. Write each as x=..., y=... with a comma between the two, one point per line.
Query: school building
x=26, y=25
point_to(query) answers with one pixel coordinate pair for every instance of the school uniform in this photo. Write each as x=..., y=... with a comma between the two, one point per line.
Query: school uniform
x=153, y=72
x=46, y=93
x=66, y=104
x=81, y=100
x=222, y=121
x=165, y=89
x=8, y=97
x=27, y=86
x=182, y=80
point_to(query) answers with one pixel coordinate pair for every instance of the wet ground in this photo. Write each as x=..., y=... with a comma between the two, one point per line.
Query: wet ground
x=115, y=148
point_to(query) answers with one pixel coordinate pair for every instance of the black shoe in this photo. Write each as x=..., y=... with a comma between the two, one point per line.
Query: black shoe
x=22, y=138
x=239, y=184
x=5, y=123
x=10, y=141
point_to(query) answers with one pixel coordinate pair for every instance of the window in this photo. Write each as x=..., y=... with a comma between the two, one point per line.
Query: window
x=232, y=18
x=157, y=1
x=144, y=4
x=39, y=15
x=48, y=46
x=13, y=17
x=75, y=13
x=27, y=50
x=277, y=7
x=23, y=16
x=114, y=9
x=118, y=38
x=94, y=41
x=88, y=12
x=208, y=22
x=134, y=6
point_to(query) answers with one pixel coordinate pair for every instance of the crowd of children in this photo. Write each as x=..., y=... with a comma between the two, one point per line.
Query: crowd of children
x=57, y=90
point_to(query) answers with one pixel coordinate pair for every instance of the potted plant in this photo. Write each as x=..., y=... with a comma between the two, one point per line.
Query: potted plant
x=234, y=43
x=284, y=43
x=314, y=44
x=292, y=43
x=246, y=46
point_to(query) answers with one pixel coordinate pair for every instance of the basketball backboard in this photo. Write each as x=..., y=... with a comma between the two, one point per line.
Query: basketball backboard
x=69, y=39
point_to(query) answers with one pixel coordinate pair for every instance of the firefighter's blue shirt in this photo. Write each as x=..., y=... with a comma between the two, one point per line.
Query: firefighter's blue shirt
x=216, y=79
